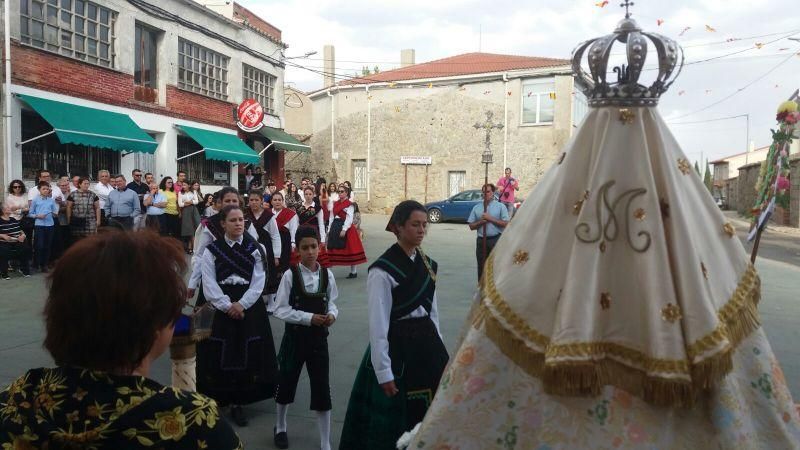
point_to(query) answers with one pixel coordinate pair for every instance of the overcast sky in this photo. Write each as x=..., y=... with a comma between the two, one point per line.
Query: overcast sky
x=373, y=32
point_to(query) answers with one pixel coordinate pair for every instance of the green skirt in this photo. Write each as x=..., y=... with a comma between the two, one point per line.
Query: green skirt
x=375, y=421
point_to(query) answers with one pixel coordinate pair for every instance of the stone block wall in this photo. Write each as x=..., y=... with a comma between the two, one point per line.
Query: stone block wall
x=746, y=194
x=732, y=193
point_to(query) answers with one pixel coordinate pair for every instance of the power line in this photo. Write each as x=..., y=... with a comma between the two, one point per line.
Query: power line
x=708, y=120
x=738, y=90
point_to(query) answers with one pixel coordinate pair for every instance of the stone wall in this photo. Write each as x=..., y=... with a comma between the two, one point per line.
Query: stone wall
x=732, y=193
x=436, y=122
x=748, y=177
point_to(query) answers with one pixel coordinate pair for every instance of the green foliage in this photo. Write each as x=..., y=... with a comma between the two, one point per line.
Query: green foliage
x=707, y=180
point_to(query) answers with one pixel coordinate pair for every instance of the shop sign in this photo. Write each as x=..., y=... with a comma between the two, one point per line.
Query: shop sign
x=421, y=160
x=250, y=116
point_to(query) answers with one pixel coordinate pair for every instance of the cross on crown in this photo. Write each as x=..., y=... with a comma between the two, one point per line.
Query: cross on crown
x=626, y=5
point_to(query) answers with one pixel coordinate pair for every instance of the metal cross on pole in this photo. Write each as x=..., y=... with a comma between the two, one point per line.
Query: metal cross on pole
x=486, y=159
x=626, y=5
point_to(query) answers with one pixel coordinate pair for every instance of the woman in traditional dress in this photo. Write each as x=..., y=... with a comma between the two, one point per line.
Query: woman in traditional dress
x=269, y=237
x=237, y=364
x=311, y=214
x=83, y=211
x=104, y=338
x=343, y=244
x=190, y=217
x=401, y=368
x=286, y=221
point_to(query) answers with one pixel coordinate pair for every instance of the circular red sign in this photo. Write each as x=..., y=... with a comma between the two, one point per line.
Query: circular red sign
x=250, y=115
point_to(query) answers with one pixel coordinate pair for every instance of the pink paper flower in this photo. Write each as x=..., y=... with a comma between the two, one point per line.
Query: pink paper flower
x=784, y=184
x=636, y=434
x=792, y=118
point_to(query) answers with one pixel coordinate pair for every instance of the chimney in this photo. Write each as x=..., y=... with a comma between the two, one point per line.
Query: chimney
x=407, y=57
x=329, y=58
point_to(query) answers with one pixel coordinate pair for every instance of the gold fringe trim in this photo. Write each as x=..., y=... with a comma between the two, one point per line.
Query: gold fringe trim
x=661, y=382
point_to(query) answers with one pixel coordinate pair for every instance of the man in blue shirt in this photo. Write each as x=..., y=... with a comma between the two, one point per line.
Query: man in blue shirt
x=490, y=217
x=44, y=209
x=122, y=205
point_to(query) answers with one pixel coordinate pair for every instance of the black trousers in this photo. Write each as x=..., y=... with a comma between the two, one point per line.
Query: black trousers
x=18, y=251
x=126, y=223
x=491, y=241
x=304, y=345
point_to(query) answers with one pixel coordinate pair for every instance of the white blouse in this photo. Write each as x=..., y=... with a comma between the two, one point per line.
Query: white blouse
x=213, y=291
x=188, y=197
x=202, y=237
x=379, y=305
x=285, y=312
x=348, y=220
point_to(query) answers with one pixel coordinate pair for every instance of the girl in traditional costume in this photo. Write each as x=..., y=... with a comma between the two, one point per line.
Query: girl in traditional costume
x=306, y=302
x=619, y=309
x=343, y=244
x=311, y=214
x=269, y=237
x=209, y=230
x=286, y=221
x=237, y=364
x=401, y=368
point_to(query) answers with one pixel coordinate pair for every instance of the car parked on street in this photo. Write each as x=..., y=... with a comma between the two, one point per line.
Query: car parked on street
x=457, y=207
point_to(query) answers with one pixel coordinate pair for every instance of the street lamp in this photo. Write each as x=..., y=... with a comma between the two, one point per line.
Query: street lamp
x=306, y=55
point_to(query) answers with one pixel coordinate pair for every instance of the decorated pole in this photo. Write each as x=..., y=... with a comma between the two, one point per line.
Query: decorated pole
x=486, y=159
x=773, y=186
x=189, y=330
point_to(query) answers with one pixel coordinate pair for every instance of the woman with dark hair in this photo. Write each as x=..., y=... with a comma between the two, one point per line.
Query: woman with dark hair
x=171, y=211
x=17, y=202
x=237, y=364
x=104, y=338
x=190, y=217
x=210, y=230
x=293, y=197
x=285, y=220
x=83, y=211
x=396, y=381
x=268, y=236
x=344, y=245
x=207, y=207
x=333, y=194
x=311, y=214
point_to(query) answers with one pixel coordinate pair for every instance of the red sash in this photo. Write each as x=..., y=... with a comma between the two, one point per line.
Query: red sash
x=339, y=206
x=284, y=217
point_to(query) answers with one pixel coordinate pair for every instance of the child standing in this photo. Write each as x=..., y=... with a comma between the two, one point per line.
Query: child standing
x=43, y=209
x=306, y=302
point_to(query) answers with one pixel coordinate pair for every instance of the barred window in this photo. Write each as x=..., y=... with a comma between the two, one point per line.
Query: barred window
x=259, y=85
x=197, y=167
x=202, y=70
x=74, y=28
x=359, y=174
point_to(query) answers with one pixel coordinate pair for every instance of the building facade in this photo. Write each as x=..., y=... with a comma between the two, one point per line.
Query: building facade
x=365, y=129
x=172, y=67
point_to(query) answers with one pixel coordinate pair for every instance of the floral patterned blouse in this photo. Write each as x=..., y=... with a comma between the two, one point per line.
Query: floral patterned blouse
x=67, y=407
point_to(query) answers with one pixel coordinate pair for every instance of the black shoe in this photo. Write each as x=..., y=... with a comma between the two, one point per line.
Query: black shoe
x=238, y=416
x=281, y=439
x=5, y=276
x=352, y=275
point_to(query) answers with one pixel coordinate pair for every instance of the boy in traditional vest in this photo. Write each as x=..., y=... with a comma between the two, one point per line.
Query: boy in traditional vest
x=305, y=301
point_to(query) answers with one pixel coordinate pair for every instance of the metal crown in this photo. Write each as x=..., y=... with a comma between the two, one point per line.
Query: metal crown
x=626, y=91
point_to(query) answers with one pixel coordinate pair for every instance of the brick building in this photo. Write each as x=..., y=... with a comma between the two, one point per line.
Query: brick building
x=123, y=84
x=362, y=127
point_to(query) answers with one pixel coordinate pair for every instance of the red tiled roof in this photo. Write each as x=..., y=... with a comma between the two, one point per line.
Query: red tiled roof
x=466, y=64
x=255, y=22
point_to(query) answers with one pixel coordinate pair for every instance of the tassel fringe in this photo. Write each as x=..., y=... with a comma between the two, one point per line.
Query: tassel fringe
x=738, y=319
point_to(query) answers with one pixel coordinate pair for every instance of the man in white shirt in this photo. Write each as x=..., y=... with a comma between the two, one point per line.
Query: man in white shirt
x=44, y=175
x=102, y=189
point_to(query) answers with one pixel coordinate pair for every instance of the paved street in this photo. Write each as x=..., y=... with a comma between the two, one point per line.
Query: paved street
x=452, y=245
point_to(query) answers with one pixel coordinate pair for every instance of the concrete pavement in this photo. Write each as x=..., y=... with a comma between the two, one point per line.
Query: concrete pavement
x=452, y=245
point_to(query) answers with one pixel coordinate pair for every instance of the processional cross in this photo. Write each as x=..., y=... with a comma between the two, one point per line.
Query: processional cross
x=486, y=159
x=488, y=126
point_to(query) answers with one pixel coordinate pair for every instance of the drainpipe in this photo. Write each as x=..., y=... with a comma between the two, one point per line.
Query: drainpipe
x=505, y=120
x=369, y=139
x=7, y=114
x=333, y=125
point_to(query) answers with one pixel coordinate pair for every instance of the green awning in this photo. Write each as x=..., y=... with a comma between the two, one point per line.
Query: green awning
x=222, y=146
x=284, y=140
x=81, y=125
